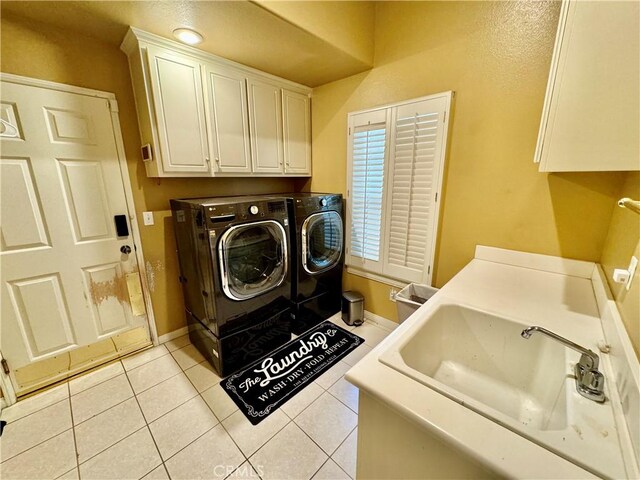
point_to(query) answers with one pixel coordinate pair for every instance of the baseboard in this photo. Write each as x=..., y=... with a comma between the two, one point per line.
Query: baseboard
x=380, y=321
x=171, y=335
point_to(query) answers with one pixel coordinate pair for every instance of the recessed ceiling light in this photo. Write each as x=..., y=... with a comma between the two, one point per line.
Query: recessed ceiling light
x=186, y=35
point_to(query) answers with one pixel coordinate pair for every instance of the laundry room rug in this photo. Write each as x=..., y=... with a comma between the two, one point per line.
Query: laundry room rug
x=267, y=384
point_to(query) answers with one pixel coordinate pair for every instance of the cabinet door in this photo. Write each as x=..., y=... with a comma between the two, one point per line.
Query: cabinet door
x=229, y=119
x=178, y=98
x=297, y=133
x=591, y=116
x=265, y=122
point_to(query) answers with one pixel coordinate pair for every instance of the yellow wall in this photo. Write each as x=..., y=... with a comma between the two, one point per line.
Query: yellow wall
x=37, y=50
x=623, y=241
x=495, y=56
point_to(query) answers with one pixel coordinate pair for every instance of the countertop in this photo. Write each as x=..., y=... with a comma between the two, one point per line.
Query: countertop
x=537, y=290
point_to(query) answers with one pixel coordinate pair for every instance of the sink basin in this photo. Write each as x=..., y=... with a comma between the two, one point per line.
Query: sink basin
x=484, y=357
x=480, y=360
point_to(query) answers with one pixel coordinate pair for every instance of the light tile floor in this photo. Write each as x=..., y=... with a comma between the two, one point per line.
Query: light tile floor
x=162, y=414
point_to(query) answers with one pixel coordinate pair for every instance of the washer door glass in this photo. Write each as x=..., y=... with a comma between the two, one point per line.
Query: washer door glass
x=253, y=259
x=321, y=241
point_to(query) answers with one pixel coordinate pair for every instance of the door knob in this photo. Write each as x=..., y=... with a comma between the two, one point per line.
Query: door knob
x=126, y=249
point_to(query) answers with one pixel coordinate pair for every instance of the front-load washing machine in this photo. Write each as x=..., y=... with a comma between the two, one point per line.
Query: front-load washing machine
x=235, y=273
x=317, y=257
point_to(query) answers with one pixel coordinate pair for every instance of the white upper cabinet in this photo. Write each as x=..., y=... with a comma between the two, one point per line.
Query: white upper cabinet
x=229, y=132
x=176, y=86
x=296, y=114
x=265, y=120
x=202, y=115
x=590, y=120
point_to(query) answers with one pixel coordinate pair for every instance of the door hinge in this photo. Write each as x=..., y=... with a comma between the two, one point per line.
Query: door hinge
x=113, y=105
x=428, y=269
x=5, y=366
x=349, y=130
x=444, y=118
x=436, y=196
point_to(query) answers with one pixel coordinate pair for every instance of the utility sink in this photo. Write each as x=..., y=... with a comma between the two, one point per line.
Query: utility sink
x=484, y=357
x=480, y=360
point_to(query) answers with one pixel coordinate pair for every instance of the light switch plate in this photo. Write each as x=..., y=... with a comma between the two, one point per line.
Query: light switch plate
x=147, y=217
x=632, y=270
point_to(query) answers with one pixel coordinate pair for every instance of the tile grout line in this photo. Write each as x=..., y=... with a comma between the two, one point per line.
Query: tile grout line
x=112, y=445
x=246, y=459
x=99, y=413
x=4, y=460
x=291, y=420
x=338, y=448
x=36, y=445
x=73, y=429
x=322, y=449
x=168, y=411
x=154, y=385
x=191, y=442
x=148, y=361
x=97, y=384
x=199, y=394
x=36, y=411
x=342, y=402
x=330, y=459
x=146, y=424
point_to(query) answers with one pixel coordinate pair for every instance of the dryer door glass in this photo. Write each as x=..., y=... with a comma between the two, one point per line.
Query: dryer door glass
x=321, y=241
x=253, y=259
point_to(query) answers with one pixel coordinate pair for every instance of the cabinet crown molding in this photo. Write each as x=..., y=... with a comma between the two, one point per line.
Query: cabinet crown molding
x=136, y=38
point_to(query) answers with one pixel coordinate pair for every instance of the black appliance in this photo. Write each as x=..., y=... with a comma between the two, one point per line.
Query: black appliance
x=317, y=257
x=234, y=269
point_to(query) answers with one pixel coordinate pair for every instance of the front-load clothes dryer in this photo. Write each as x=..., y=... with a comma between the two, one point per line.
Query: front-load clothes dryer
x=235, y=274
x=317, y=257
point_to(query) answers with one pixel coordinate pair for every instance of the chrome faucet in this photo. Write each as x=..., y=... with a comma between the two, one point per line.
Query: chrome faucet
x=589, y=381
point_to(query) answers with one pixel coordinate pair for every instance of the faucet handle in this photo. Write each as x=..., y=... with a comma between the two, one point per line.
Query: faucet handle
x=589, y=361
x=590, y=383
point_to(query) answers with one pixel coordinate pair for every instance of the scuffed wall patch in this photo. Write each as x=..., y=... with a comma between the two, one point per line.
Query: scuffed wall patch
x=152, y=269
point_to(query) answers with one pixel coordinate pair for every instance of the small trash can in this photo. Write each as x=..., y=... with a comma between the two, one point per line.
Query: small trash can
x=352, y=308
x=411, y=298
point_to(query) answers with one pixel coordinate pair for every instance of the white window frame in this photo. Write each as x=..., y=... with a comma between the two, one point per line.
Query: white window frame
x=376, y=270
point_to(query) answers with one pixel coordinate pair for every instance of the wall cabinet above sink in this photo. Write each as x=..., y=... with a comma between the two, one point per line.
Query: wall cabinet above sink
x=203, y=116
x=590, y=120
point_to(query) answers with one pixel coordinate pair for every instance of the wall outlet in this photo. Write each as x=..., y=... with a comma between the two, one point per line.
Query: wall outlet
x=147, y=218
x=392, y=294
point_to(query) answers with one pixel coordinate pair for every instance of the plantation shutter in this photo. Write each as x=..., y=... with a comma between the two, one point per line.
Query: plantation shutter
x=368, y=138
x=415, y=159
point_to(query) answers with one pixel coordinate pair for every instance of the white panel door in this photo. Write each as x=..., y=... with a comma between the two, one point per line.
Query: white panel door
x=178, y=96
x=265, y=121
x=229, y=125
x=63, y=276
x=297, y=132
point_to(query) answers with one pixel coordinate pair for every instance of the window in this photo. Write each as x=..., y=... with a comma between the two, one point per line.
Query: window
x=396, y=158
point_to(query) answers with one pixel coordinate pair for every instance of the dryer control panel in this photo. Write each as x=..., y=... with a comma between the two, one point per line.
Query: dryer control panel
x=220, y=215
